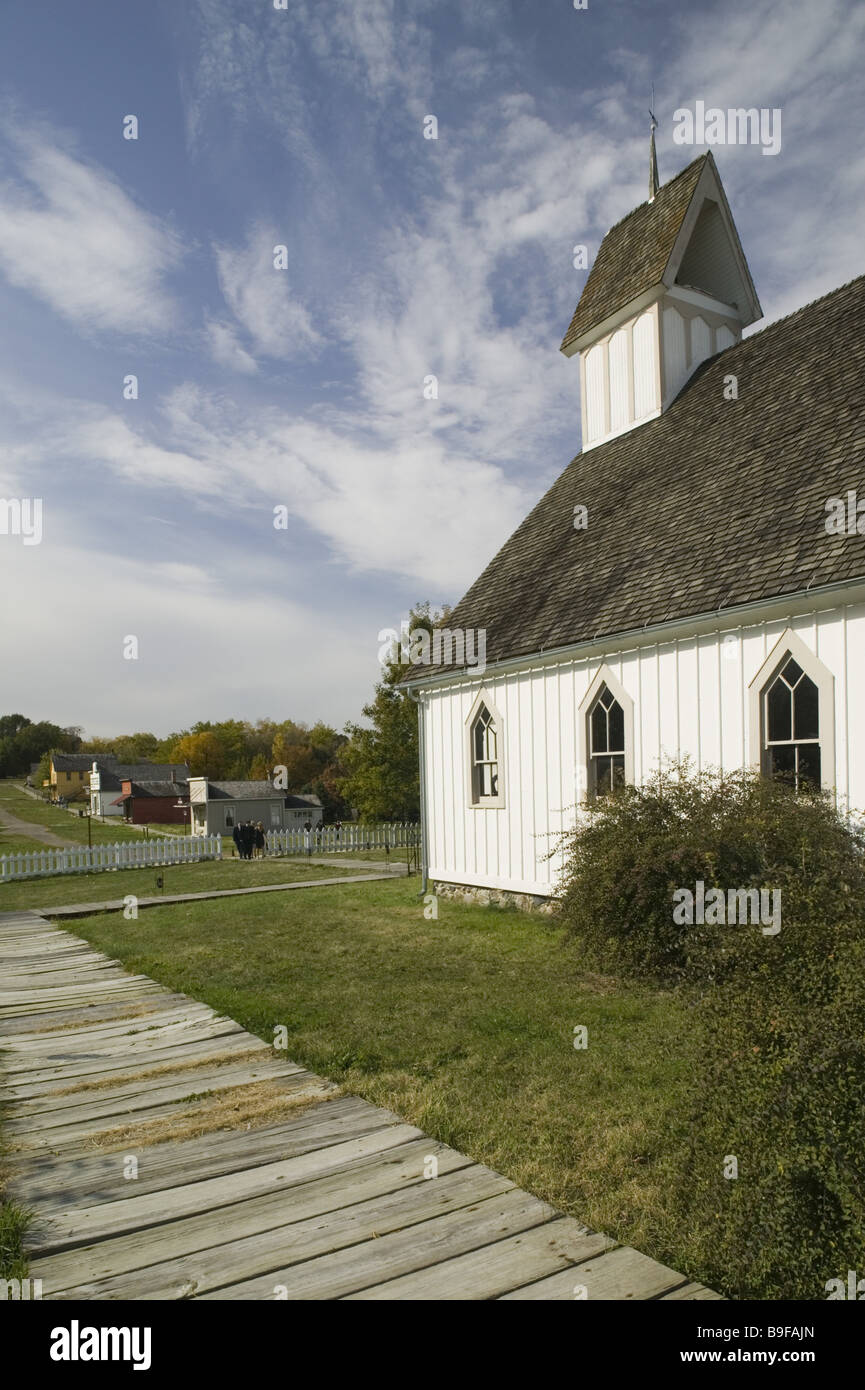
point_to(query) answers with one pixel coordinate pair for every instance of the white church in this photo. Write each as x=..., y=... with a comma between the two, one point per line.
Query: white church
x=693, y=584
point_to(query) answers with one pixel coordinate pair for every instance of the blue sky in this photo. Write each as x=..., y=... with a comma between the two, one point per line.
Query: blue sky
x=406, y=257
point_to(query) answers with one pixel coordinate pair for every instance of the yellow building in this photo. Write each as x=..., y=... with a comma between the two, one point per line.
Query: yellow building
x=70, y=775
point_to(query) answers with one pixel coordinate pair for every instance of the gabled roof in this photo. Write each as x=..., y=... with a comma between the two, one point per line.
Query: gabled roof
x=81, y=762
x=256, y=791
x=715, y=503
x=179, y=788
x=111, y=778
x=640, y=252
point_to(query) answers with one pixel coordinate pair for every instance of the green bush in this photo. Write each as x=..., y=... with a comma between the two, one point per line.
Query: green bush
x=635, y=849
x=780, y=1018
x=782, y=1089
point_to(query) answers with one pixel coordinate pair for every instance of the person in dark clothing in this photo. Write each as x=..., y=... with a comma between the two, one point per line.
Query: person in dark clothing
x=248, y=832
x=237, y=838
x=259, y=840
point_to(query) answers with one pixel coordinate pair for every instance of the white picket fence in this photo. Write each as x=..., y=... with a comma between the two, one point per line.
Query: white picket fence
x=349, y=839
x=85, y=859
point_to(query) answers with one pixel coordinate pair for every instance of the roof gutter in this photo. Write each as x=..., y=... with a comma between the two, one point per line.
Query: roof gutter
x=574, y=650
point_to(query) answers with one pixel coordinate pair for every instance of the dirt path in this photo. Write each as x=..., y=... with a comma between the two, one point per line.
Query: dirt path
x=30, y=831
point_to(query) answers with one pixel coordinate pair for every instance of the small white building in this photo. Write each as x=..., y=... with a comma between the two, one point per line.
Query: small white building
x=693, y=584
x=216, y=807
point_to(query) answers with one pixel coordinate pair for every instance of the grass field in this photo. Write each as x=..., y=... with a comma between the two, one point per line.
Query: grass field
x=68, y=827
x=176, y=878
x=463, y=1025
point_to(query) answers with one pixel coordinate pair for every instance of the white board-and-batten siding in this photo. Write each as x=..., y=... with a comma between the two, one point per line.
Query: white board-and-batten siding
x=691, y=696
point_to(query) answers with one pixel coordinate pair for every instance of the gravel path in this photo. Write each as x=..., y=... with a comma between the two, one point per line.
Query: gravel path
x=29, y=831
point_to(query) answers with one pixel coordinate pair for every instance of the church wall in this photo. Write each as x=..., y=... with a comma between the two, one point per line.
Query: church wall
x=691, y=698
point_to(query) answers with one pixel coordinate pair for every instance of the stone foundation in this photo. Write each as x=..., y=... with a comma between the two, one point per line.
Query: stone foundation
x=493, y=897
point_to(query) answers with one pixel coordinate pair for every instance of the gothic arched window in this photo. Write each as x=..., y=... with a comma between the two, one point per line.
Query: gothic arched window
x=791, y=727
x=485, y=757
x=606, y=720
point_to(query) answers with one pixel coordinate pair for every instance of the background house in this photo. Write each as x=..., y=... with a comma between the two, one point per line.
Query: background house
x=69, y=774
x=107, y=777
x=154, y=802
x=218, y=806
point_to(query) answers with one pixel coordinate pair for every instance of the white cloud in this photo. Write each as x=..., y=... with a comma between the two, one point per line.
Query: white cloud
x=226, y=348
x=261, y=299
x=70, y=235
x=205, y=652
x=800, y=213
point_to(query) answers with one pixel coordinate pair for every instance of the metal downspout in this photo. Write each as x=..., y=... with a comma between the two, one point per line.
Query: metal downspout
x=418, y=699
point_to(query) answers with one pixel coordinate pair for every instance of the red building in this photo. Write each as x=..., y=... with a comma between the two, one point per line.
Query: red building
x=154, y=801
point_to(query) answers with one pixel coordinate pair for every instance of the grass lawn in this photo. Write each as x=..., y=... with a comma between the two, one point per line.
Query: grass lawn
x=68, y=827
x=464, y=1026
x=177, y=878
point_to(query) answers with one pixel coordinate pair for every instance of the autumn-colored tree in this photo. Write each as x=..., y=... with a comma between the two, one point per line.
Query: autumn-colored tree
x=203, y=752
x=300, y=763
x=259, y=770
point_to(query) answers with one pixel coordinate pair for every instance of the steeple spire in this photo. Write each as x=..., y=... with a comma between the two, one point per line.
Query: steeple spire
x=653, y=159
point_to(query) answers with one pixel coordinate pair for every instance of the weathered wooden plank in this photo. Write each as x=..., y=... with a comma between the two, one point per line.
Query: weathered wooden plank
x=378, y=1259
x=620, y=1274
x=85, y=1224
x=80, y=1134
x=554, y=1247
x=379, y=1191
x=691, y=1291
x=44, y=1081
x=85, y=1034
x=131, y=1052
x=340, y=1235
x=46, y=1112
x=55, y=1183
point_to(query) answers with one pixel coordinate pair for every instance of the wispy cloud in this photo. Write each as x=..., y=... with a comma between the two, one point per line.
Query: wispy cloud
x=260, y=296
x=225, y=347
x=70, y=235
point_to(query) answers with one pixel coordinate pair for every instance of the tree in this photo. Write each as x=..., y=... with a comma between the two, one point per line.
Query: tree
x=381, y=762
x=203, y=752
x=301, y=767
x=136, y=748
x=22, y=742
x=259, y=770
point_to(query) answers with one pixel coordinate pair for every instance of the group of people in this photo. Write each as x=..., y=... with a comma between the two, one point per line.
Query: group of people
x=249, y=839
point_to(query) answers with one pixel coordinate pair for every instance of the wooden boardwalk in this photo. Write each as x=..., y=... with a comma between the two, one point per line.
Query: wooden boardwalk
x=169, y=1154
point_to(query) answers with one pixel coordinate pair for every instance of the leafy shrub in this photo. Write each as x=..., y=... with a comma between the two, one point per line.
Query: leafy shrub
x=780, y=1018
x=781, y=1089
x=633, y=850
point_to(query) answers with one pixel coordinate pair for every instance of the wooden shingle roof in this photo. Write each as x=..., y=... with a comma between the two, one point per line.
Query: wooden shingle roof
x=715, y=503
x=634, y=254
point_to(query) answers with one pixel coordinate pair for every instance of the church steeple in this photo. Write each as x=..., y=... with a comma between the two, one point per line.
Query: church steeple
x=653, y=158
x=669, y=287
